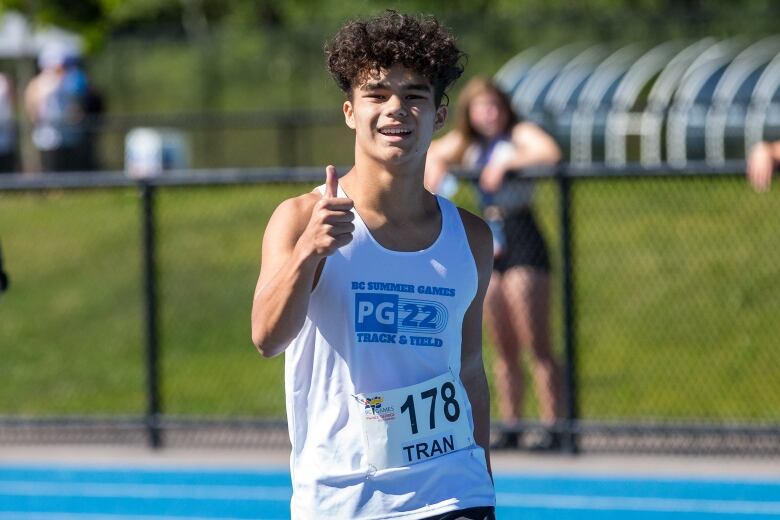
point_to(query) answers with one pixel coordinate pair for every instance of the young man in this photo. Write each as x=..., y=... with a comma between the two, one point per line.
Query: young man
x=373, y=287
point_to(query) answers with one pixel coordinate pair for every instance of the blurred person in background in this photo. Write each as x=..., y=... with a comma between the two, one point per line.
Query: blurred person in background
x=7, y=126
x=4, y=281
x=489, y=136
x=54, y=102
x=93, y=107
x=761, y=164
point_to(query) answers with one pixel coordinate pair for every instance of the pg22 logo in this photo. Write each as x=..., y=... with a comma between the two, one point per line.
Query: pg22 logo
x=389, y=314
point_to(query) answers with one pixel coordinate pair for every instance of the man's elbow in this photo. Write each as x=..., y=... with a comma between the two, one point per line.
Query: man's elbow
x=268, y=353
x=265, y=345
x=264, y=350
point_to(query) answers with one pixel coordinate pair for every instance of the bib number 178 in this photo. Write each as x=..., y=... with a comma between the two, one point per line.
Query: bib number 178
x=451, y=406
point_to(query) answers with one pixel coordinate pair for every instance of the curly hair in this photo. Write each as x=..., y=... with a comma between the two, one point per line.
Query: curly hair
x=362, y=49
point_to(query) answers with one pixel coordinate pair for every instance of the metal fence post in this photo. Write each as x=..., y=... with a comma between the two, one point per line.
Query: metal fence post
x=153, y=406
x=287, y=142
x=569, y=318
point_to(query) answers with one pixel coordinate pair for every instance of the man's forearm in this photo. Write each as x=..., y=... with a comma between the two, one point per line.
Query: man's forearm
x=475, y=382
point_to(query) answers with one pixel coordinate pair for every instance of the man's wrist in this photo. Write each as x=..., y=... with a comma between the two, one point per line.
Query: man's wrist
x=305, y=259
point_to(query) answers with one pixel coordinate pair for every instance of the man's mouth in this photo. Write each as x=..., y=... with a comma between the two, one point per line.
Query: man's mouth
x=394, y=130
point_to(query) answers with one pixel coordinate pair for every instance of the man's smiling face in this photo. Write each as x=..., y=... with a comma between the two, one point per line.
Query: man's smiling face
x=394, y=116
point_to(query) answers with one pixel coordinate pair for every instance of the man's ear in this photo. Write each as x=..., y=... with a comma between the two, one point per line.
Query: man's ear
x=440, y=118
x=349, y=114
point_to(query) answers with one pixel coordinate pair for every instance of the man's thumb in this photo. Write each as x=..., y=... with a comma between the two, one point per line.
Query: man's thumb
x=331, y=182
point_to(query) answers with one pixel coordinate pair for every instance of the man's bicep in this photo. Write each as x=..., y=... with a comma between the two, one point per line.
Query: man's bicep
x=481, y=244
x=281, y=234
x=471, y=347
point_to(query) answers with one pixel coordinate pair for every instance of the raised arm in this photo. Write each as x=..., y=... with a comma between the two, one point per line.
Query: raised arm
x=762, y=160
x=300, y=234
x=532, y=146
x=472, y=371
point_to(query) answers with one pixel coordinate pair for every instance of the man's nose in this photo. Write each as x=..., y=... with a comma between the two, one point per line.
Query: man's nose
x=396, y=106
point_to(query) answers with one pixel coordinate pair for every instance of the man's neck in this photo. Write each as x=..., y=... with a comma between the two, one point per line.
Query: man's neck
x=395, y=191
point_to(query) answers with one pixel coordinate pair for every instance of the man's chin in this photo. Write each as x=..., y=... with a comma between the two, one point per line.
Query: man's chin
x=394, y=156
x=401, y=158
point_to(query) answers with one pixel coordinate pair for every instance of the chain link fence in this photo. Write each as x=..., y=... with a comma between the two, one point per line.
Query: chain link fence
x=668, y=338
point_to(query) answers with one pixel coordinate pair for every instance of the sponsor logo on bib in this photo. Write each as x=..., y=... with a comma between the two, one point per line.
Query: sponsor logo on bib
x=374, y=408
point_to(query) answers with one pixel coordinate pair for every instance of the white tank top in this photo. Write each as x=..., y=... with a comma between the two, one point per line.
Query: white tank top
x=378, y=357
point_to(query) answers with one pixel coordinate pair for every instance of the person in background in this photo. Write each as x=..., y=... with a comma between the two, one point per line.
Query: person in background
x=489, y=136
x=761, y=164
x=7, y=127
x=4, y=280
x=93, y=107
x=54, y=102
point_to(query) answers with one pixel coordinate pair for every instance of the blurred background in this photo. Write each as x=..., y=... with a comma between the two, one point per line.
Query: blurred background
x=127, y=315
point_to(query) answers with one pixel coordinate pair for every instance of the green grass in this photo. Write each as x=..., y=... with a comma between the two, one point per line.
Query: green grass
x=678, y=299
x=678, y=293
x=69, y=329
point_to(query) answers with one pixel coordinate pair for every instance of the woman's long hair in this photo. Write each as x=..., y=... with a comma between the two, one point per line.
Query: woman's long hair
x=476, y=86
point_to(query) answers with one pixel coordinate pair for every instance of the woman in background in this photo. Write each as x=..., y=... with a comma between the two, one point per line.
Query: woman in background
x=489, y=136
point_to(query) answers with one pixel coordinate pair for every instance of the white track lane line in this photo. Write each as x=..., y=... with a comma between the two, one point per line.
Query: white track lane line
x=175, y=491
x=16, y=515
x=651, y=504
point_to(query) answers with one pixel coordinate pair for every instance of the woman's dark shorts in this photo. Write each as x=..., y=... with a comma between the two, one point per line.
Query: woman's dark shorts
x=525, y=244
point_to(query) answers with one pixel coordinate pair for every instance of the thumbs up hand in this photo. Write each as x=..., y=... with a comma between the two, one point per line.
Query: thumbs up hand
x=331, y=182
x=330, y=226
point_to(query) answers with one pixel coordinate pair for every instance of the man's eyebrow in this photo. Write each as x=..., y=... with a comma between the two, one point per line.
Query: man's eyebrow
x=375, y=85
x=418, y=86
x=407, y=86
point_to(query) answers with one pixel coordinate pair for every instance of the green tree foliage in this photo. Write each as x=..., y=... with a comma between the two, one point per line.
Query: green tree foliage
x=99, y=19
x=87, y=17
x=153, y=56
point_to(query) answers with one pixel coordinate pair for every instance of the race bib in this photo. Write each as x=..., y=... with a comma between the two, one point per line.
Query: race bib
x=415, y=423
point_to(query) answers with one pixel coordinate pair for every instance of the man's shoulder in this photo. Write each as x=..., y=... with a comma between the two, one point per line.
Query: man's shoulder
x=300, y=205
x=473, y=224
x=480, y=242
x=291, y=216
x=479, y=236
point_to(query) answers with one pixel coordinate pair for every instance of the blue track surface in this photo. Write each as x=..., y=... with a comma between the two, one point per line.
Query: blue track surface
x=70, y=492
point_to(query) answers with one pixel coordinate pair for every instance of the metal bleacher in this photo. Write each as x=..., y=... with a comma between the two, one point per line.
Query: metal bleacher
x=707, y=100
